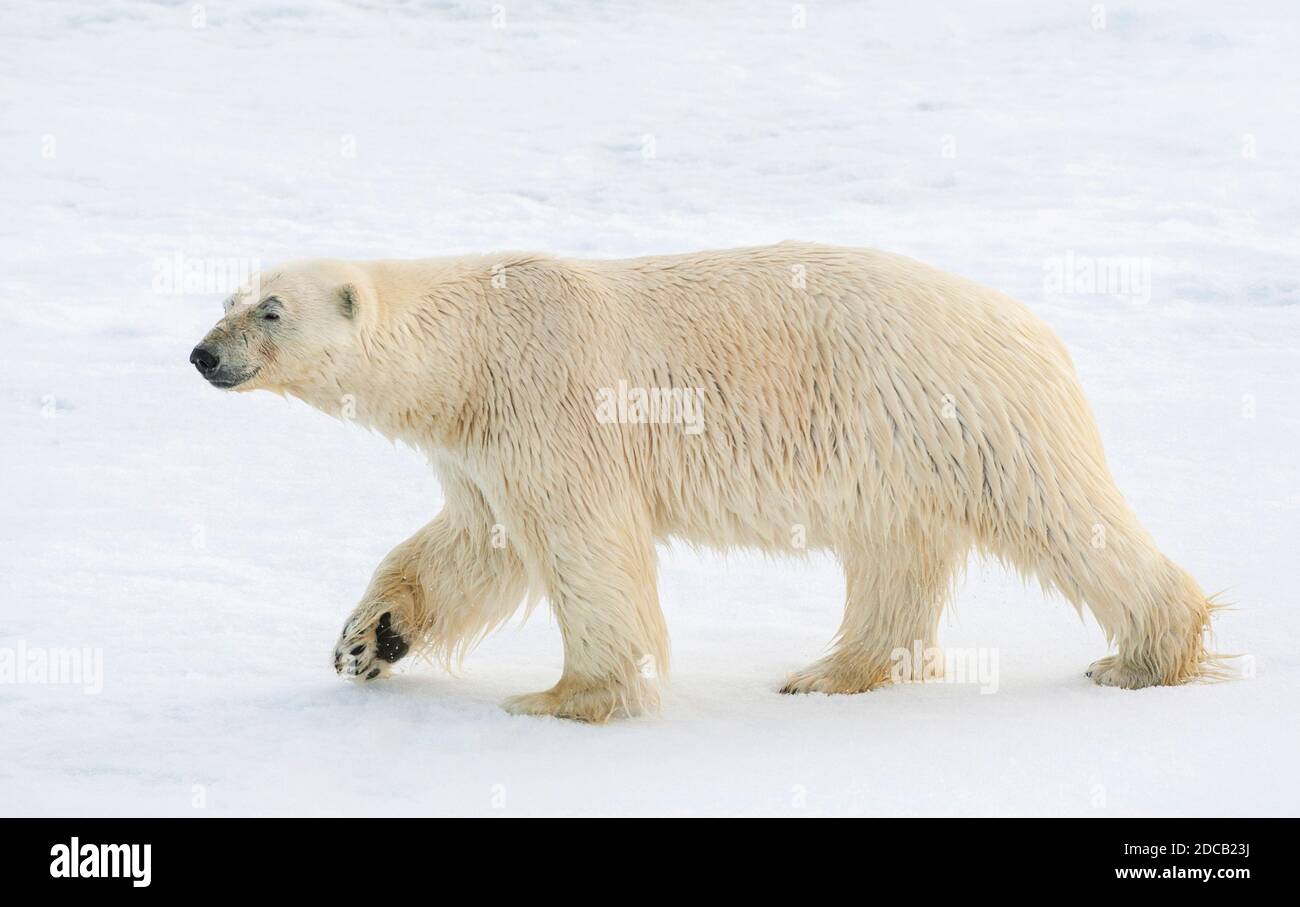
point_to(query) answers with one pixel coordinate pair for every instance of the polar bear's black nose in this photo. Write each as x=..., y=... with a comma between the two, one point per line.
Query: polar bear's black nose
x=204, y=360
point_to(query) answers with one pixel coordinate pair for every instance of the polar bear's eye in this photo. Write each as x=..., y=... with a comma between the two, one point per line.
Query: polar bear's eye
x=269, y=310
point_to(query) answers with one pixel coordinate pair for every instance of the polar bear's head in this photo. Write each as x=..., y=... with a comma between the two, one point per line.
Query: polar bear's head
x=287, y=329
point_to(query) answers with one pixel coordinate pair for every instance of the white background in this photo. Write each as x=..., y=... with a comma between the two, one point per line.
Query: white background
x=211, y=544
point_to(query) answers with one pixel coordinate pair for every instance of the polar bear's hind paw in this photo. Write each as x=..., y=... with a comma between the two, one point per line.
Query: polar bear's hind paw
x=1112, y=671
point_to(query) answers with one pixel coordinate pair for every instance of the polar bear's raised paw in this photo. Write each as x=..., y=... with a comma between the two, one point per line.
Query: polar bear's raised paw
x=366, y=650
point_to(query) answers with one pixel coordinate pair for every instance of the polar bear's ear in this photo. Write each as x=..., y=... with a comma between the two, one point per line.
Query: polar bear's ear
x=348, y=299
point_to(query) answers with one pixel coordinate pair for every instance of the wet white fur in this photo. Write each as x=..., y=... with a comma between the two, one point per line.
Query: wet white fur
x=853, y=401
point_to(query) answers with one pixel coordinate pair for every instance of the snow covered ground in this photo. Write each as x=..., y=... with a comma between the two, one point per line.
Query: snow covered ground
x=208, y=546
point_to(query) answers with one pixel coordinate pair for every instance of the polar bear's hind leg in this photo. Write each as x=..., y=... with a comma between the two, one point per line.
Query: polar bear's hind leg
x=1100, y=557
x=896, y=591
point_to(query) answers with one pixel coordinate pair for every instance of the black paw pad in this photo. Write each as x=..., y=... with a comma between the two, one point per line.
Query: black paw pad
x=389, y=644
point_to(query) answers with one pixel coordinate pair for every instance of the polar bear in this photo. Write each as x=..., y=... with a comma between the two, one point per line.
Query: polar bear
x=787, y=398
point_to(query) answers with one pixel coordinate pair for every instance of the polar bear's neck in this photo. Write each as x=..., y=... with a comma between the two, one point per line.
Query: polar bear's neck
x=408, y=378
x=390, y=393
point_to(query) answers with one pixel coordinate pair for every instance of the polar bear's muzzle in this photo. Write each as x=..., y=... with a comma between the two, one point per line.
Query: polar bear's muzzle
x=223, y=374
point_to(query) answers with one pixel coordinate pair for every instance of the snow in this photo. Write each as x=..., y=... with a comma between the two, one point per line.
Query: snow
x=209, y=545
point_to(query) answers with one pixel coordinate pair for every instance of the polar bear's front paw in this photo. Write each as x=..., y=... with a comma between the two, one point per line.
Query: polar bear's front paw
x=590, y=703
x=367, y=649
x=824, y=677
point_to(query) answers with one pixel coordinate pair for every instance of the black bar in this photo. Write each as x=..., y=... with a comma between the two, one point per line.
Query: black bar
x=421, y=856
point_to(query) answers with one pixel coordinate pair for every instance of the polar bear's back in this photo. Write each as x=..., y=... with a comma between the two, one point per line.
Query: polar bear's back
x=836, y=381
